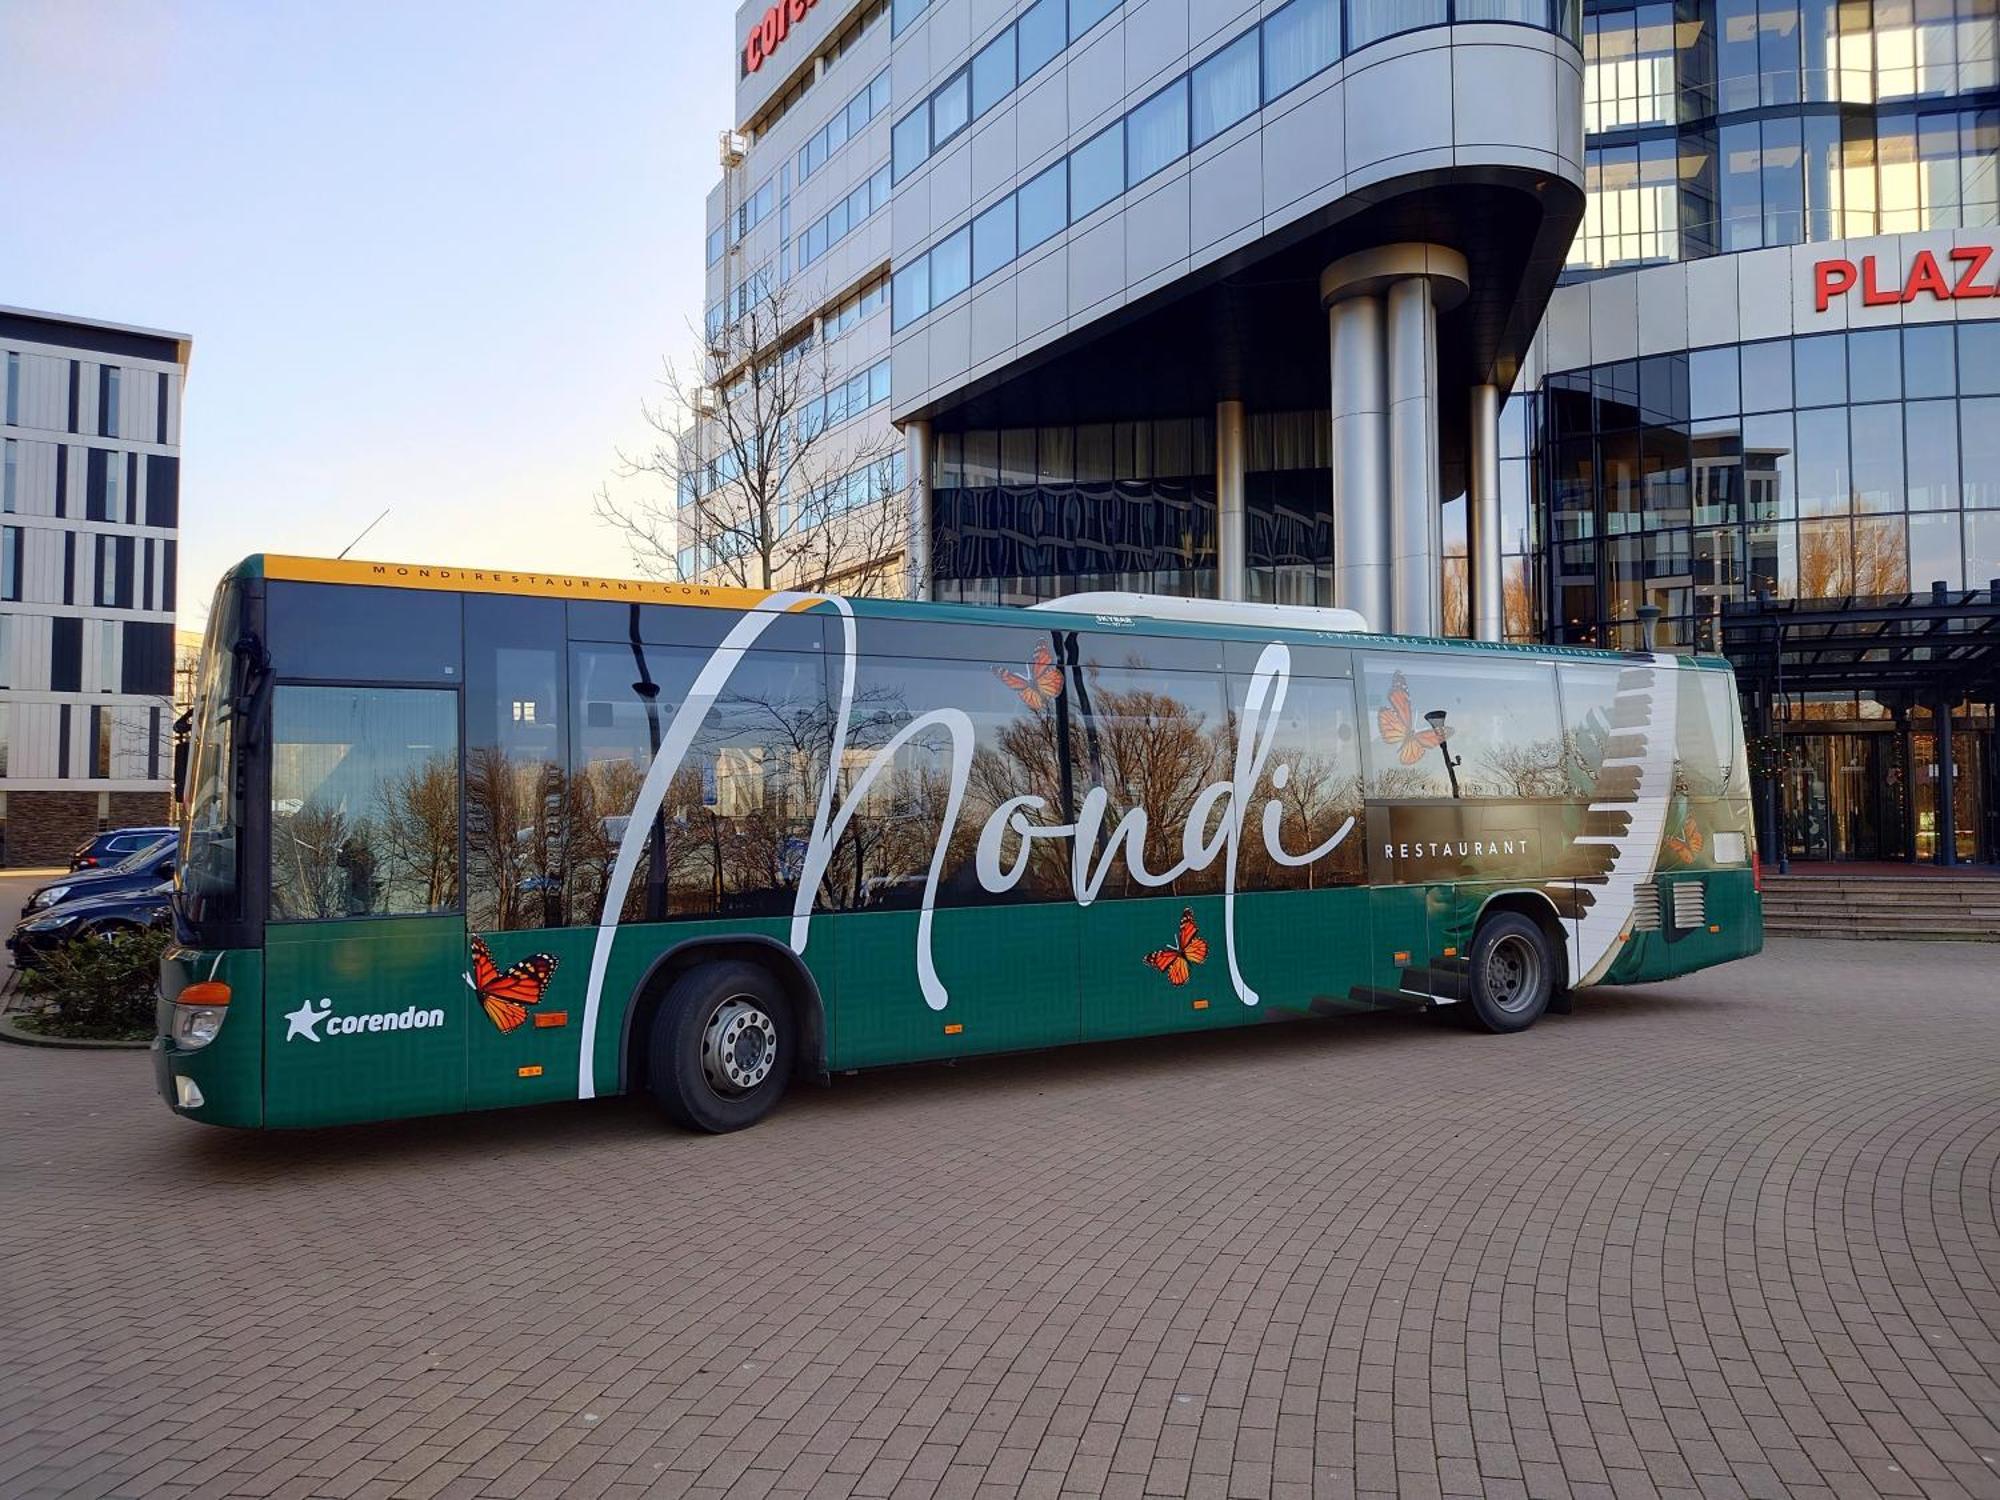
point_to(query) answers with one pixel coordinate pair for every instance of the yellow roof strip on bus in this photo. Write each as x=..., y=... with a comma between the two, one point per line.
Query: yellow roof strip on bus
x=506, y=581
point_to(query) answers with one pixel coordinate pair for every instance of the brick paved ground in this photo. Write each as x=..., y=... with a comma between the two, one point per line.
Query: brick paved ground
x=1730, y=1235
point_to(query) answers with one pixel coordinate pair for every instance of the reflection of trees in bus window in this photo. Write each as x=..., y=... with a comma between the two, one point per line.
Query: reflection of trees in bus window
x=1154, y=740
x=1589, y=701
x=1705, y=734
x=731, y=834
x=1499, y=726
x=1316, y=755
x=364, y=802
x=526, y=832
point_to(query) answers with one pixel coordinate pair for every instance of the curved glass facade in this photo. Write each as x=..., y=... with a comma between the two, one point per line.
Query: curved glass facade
x=1729, y=125
x=1863, y=463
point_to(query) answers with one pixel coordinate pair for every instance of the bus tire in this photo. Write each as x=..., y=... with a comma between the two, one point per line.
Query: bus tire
x=722, y=1047
x=1513, y=972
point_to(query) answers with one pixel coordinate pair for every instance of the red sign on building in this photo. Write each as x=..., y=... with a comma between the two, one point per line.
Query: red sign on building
x=1963, y=274
x=775, y=25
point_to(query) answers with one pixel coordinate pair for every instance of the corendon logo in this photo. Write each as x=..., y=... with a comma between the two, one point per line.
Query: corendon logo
x=773, y=28
x=1965, y=278
x=307, y=1020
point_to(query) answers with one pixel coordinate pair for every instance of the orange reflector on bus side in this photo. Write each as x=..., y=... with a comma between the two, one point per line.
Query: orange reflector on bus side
x=1402, y=958
x=204, y=992
x=1715, y=927
x=552, y=1018
x=1451, y=953
x=1201, y=1005
x=533, y=1070
x=954, y=1029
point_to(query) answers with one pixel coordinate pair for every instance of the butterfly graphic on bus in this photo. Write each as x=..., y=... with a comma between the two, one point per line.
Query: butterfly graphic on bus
x=505, y=994
x=1043, y=683
x=1189, y=948
x=1687, y=846
x=1397, y=724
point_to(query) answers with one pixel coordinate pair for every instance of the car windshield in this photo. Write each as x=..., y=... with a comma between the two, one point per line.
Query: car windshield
x=153, y=849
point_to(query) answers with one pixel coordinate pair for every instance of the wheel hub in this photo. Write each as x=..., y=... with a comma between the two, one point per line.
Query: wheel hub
x=739, y=1046
x=1513, y=973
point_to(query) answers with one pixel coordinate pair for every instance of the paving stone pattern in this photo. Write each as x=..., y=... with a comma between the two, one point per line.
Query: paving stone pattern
x=1730, y=1235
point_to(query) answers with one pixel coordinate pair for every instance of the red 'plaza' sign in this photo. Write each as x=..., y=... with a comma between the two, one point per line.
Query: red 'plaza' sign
x=775, y=25
x=1928, y=277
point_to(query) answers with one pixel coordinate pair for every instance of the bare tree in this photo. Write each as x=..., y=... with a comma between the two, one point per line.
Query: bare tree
x=756, y=463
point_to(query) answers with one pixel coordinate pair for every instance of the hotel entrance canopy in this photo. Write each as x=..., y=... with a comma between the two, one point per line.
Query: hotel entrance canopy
x=1941, y=645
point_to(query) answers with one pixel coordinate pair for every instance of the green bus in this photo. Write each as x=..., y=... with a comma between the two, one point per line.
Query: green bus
x=456, y=839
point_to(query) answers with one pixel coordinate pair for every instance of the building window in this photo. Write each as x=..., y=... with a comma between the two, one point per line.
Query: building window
x=1299, y=41
x=1225, y=88
x=1097, y=172
x=1044, y=206
x=108, y=396
x=1372, y=20
x=992, y=239
x=993, y=73
x=1156, y=133
x=107, y=656
x=9, y=465
x=13, y=389
x=10, y=562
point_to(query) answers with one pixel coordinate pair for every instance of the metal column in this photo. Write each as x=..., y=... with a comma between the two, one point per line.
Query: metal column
x=1361, y=556
x=917, y=578
x=1416, y=521
x=1232, y=552
x=1382, y=309
x=1489, y=606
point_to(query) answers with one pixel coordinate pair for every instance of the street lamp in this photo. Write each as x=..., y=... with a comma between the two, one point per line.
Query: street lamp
x=1435, y=718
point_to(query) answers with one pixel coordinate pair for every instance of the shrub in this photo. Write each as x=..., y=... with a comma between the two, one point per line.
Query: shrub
x=99, y=988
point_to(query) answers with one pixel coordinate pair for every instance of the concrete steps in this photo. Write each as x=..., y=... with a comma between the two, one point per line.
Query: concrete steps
x=1961, y=908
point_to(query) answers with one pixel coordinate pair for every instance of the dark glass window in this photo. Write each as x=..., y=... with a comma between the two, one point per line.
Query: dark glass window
x=1299, y=41
x=1930, y=360
x=1767, y=376
x=1712, y=384
x=910, y=141
x=1932, y=430
x=1820, y=369
x=1979, y=359
x=951, y=267
x=1877, y=447
x=1043, y=31
x=1225, y=88
x=1097, y=171
x=1084, y=14
x=1499, y=726
x=993, y=239
x=951, y=108
x=363, y=634
x=364, y=802
x=525, y=827
x=1875, y=365
x=1704, y=734
x=1313, y=777
x=993, y=72
x=1156, y=133
x=1044, y=205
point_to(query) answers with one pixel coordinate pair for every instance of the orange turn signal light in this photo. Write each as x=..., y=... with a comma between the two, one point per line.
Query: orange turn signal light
x=204, y=992
x=954, y=1029
x=533, y=1070
x=1201, y=1005
x=1451, y=953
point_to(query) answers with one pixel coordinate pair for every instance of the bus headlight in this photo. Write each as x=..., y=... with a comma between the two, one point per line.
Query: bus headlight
x=199, y=1011
x=196, y=1025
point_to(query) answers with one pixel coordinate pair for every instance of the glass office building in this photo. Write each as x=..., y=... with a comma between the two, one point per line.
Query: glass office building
x=1773, y=375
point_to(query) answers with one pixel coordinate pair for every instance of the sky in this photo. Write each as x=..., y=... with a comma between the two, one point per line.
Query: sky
x=431, y=254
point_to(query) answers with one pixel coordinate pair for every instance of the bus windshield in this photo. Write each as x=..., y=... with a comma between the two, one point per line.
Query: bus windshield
x=207, y=870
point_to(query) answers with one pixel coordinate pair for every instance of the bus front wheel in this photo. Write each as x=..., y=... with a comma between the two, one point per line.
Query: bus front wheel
x=722, y=1047
x=1513, y=972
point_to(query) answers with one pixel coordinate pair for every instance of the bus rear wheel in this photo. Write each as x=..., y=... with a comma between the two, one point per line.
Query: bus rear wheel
x=1513, y=972
x=722, y=1047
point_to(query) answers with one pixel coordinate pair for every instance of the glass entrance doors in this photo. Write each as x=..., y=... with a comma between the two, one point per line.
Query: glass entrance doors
x=1874, y=796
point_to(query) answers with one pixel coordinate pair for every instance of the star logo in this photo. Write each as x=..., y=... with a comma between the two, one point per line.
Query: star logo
x=305, y=1019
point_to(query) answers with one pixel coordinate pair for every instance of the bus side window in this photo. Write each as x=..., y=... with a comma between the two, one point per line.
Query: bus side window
x=1496, y=717
x=524, y=819
x=364, y=802
x=1314, y=775
x=1706, y=733
x=1589, y=703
